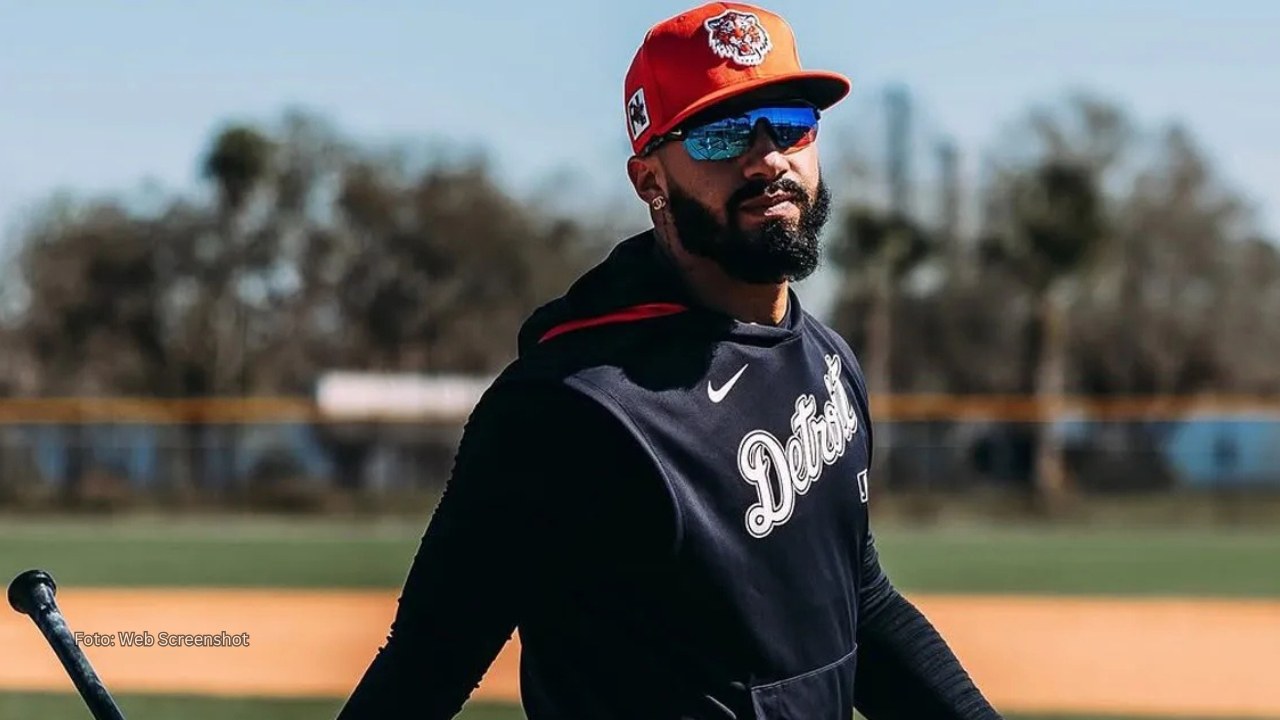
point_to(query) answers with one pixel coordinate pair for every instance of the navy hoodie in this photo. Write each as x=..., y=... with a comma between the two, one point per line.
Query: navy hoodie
x=671, y=507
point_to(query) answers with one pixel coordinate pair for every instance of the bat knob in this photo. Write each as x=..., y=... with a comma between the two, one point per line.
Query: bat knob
x=30, y=590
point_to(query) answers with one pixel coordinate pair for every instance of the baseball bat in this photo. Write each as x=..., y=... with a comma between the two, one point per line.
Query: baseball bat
x=32, y=593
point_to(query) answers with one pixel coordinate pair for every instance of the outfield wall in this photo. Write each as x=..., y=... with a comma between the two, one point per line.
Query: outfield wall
x=234, y=449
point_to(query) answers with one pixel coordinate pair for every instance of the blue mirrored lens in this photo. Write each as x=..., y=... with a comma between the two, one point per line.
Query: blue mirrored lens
x=730, y=137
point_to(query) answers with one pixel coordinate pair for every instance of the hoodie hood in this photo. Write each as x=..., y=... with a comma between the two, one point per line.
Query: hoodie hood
x=635, y=282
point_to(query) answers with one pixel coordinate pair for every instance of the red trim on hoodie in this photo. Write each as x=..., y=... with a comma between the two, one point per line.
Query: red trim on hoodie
x=631, y=314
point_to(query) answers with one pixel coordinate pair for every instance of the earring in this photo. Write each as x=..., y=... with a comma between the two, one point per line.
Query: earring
x=658, y=203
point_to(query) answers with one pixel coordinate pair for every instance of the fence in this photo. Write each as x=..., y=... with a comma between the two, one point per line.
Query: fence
x=236, y=450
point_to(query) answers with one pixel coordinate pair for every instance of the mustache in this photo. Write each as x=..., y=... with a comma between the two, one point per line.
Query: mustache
x=756, y=188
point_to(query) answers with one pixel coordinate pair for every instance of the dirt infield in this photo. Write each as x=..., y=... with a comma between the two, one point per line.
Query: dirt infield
x=1110, y=656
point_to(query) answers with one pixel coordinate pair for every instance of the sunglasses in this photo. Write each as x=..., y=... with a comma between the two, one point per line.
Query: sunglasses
x=791, y=126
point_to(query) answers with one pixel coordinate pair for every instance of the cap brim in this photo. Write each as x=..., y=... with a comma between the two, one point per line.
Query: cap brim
x=819, y=87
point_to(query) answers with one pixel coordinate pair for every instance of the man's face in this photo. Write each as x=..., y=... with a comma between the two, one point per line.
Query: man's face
x=758, y=216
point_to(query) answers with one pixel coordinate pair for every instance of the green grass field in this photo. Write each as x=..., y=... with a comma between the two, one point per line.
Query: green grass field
x=141, y=707
x=317, y=554
x=253, y=552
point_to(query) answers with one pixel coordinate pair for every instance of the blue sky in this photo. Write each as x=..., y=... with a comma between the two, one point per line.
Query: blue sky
x=100, y=95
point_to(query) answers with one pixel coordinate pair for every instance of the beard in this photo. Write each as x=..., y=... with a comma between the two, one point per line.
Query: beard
x=778, y=250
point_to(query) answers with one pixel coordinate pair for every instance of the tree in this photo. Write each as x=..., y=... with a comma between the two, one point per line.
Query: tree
x=92, y=324
x=447, y=239
x=1178, y=299
x=1055, y=224
x=315, y=253
x=876, y=251
x=238, y=160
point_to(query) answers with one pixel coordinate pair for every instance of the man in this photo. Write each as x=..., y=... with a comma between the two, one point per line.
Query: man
x=666, y=493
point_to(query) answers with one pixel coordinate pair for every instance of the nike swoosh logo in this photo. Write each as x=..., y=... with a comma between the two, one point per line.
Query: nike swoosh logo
x=717, y=394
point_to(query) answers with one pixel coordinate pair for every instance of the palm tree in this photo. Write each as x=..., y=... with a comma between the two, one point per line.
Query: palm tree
x=1054, y=224
x=876, y=251
x=237, y=162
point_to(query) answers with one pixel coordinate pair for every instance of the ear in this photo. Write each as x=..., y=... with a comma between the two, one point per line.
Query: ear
x=646, y=178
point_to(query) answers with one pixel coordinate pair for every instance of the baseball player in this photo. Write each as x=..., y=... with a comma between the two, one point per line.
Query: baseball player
x=667, y=492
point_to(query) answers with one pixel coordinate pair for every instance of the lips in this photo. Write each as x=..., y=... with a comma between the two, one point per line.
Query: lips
x=765, y=202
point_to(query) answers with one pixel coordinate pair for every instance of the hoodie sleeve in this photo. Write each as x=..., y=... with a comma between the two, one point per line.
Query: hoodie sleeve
x=905, y=668
x=460, y=600
x=512, y=509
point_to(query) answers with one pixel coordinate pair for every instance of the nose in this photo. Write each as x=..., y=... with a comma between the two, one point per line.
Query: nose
x=764, y=160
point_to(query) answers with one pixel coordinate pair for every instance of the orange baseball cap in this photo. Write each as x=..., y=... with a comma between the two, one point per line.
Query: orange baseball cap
x=710, y=54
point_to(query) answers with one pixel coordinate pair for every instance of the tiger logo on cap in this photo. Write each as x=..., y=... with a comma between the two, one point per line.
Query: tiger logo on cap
x=739, y=37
